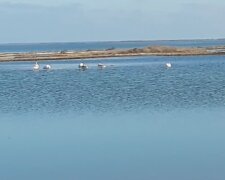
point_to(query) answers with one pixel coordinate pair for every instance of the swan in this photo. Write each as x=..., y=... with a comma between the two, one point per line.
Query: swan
x=168, y=65
x=47, y=67
x=82, y=66
x=101, y=66
x=36, y=66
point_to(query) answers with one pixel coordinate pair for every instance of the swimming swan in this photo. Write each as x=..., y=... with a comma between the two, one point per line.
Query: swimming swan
x=168, y=65
x=36, y=66
x=83, y=66
x=47, y=67
x=101, y=66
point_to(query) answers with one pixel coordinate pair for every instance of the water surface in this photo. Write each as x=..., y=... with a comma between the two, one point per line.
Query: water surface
x=78, y=46
x=134, y=119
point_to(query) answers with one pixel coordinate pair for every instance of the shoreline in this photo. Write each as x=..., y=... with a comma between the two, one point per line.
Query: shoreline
x=111, y=53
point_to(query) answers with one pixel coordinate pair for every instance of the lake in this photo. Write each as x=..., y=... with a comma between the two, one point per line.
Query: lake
x=135, y=119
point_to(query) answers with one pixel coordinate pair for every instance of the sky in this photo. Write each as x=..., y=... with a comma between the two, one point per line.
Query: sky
x=28, y=21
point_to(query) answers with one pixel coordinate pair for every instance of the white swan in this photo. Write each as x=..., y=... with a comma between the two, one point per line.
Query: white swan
x=36, y=66
x=101, y=66
x=47, y=67
x=168, y=65
x=83, y=66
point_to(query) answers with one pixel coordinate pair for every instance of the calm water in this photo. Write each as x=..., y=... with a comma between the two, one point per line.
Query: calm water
x=133, y=120
x=105, y=45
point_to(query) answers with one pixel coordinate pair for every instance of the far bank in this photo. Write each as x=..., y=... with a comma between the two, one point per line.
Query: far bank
x=88, y=54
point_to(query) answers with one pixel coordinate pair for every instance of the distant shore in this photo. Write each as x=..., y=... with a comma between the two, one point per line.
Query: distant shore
x=147, y=51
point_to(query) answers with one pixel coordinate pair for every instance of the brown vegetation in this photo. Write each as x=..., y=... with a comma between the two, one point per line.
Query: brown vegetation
x=147, y=51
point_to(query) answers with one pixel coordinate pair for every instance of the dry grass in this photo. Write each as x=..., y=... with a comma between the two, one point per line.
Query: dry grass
x=147, y=51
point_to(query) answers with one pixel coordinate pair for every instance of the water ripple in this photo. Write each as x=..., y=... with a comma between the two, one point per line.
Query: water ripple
x=131, y=85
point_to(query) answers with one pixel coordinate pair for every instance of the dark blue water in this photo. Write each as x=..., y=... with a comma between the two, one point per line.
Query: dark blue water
x=135, y=119
x=77, y=46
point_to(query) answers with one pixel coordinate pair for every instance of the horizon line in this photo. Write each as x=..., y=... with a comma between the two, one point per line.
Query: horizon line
x=104, y=41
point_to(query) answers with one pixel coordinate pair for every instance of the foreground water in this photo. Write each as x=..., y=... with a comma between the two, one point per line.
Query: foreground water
x=134, y=119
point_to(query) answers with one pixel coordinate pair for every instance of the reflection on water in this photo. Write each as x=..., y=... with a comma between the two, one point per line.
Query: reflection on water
x=133, y=120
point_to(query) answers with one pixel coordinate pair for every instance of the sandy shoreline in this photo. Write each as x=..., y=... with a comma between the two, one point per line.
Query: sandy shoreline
x=147, y=51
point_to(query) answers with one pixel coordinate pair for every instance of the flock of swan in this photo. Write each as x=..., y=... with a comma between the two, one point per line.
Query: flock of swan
x=81, y=66
x=37, y=67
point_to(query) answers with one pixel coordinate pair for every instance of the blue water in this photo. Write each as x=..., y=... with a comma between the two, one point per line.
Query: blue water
x=133, y=120
x=77, y=46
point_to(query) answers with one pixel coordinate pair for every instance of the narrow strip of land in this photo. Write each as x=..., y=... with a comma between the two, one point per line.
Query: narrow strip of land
x=147, y=51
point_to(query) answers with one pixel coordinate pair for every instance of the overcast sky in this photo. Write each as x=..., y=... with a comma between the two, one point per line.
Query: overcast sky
x=102, y=20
